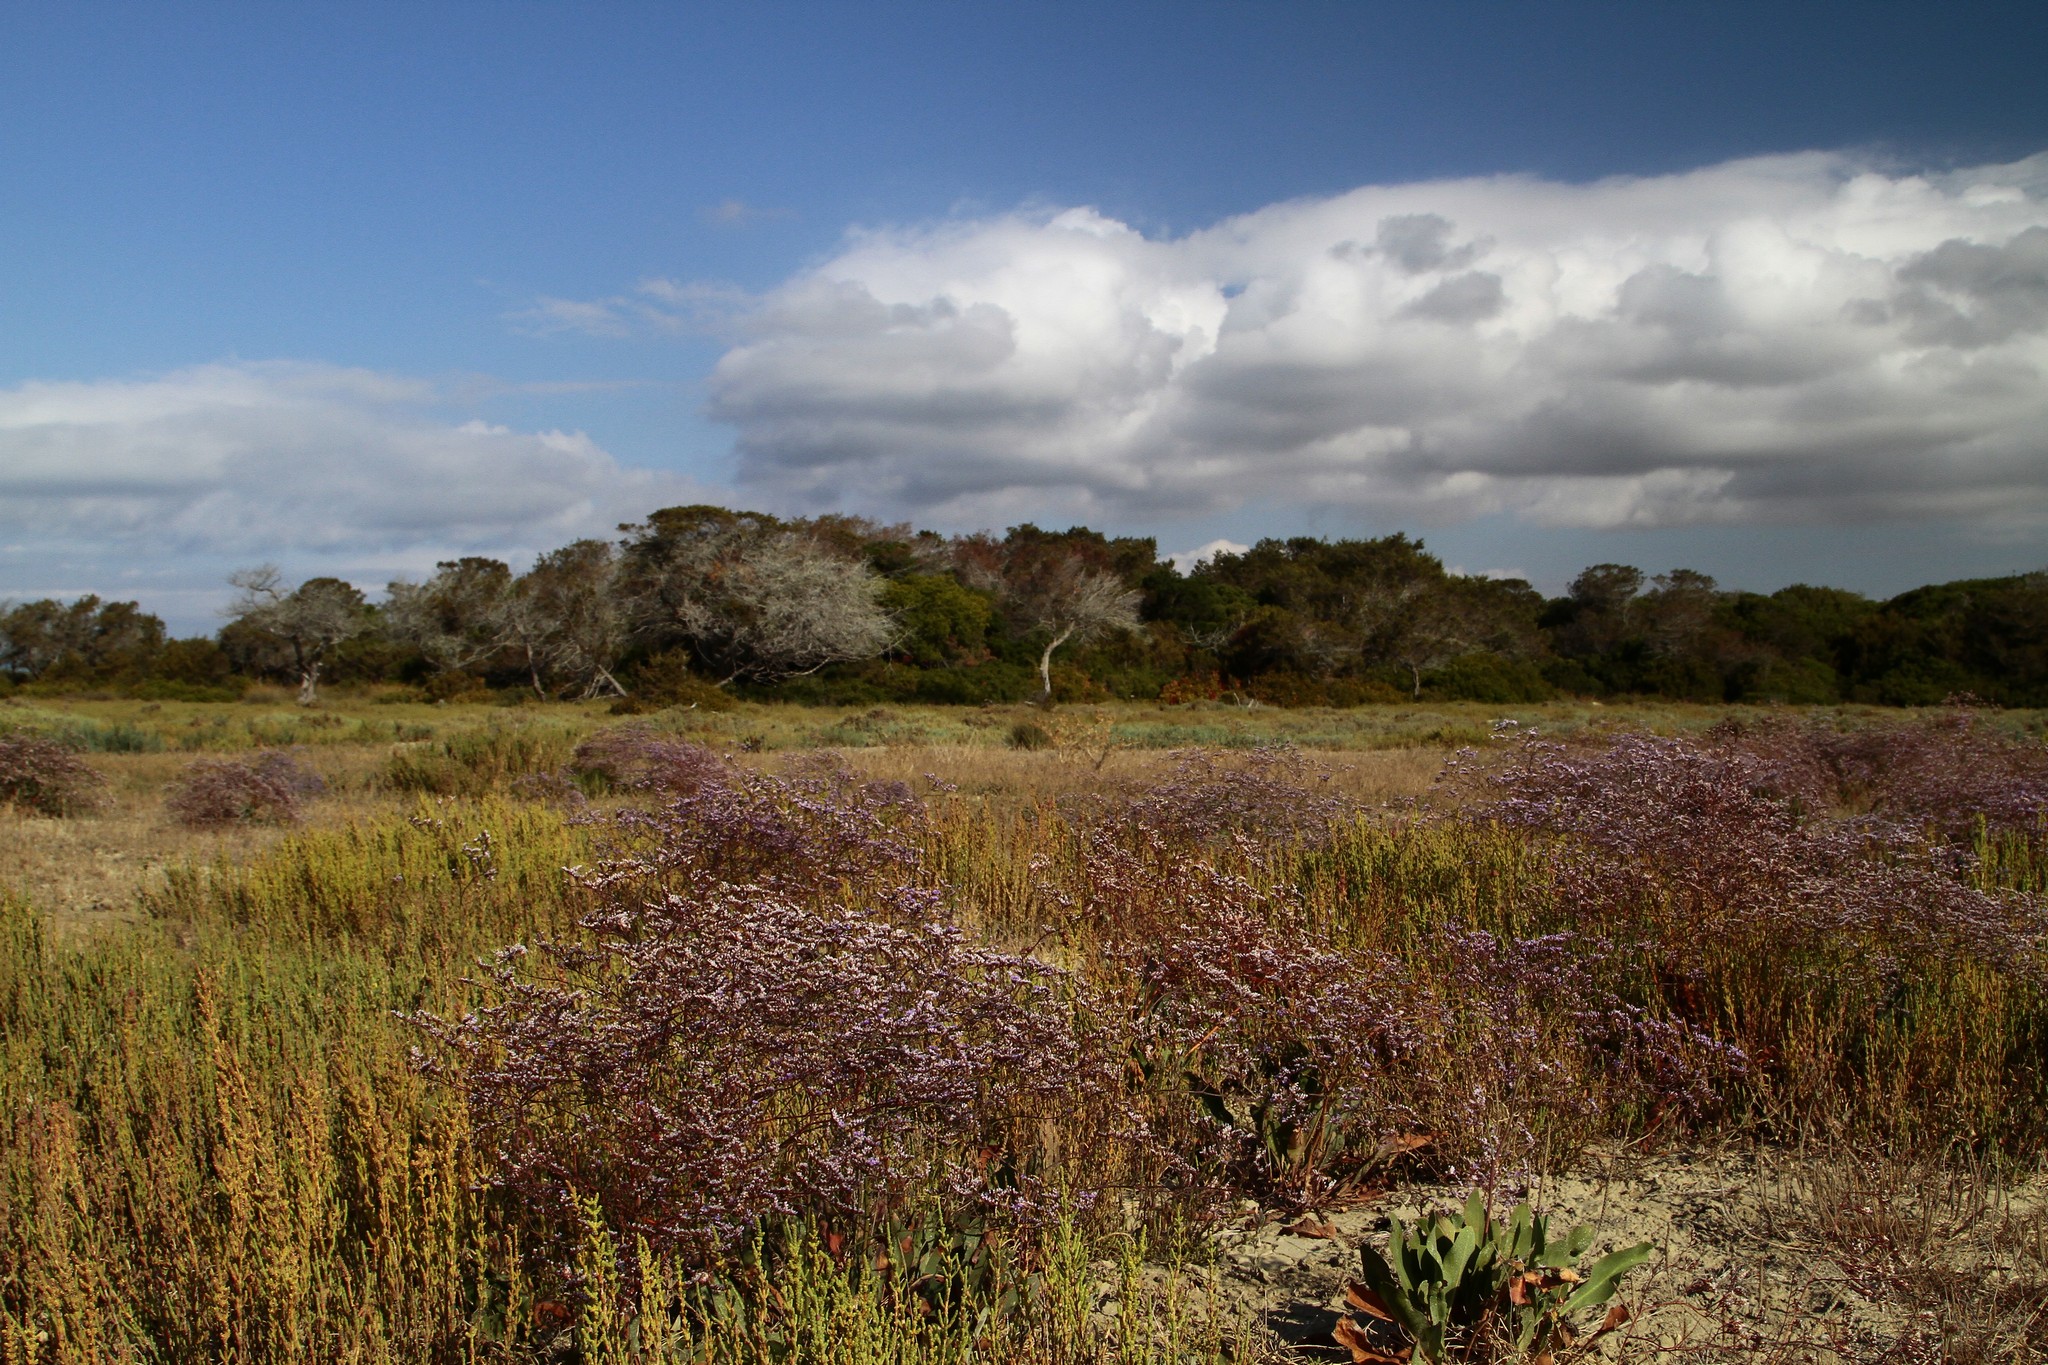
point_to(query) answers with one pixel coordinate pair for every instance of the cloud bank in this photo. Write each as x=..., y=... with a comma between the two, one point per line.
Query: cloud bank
x=284, y=460
x=1798, y=339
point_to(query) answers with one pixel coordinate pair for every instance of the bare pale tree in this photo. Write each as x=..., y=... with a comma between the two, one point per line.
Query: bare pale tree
x=751, y=598
x=457, y=618
x=1070, y=604
x=307, y=623
x=563, y=616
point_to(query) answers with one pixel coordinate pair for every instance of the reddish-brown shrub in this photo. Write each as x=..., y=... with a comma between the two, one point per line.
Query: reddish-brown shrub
x=1269, y=792
x=1948, y=776
x=1276, y=1062
x=47, y=777
x=1804, y=895
x=808, y=833
x=716, y=1054
x=1711, y=846
x=271, y=790
x=634, y=758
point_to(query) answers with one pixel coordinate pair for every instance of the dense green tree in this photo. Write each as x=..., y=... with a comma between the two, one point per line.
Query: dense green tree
x=1205, y=612
x=1352, y=609
x=1795, y=639
x=871, y=610
x=566, y=622
x=1988, y=636
x=457, y=619
x=942, y=623
x=86, y=640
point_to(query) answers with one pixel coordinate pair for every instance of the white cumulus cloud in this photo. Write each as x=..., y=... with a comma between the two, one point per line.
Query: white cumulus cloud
x=280, y=459
x=1804, y=339
x=1186, y=560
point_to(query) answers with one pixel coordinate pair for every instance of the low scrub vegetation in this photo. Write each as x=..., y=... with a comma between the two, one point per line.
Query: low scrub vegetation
x=793, y=1063
x=272, y=789
x=46, y=776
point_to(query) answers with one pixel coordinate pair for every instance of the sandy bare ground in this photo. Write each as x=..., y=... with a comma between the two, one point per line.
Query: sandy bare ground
x=1763, y=1256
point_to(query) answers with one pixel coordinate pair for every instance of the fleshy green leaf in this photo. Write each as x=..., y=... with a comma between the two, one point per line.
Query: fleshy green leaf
x=1605, y=1276
x=1379, y=1278
x=1460, y=1255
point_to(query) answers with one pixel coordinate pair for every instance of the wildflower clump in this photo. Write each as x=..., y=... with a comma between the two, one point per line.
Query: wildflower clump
x=1280, y=1059
x=47, y=777
x=1820, y=901
x=735, y=1037
x=1697, y=846
x=273, y=789
x=1268, y=792
x=636, y=758
x=809, y=833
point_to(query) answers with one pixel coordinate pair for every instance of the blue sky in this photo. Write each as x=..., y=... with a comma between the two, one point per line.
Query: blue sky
x=1749, y=288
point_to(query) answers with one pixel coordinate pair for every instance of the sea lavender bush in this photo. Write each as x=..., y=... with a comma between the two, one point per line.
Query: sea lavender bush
x=47, y=776
x=810, y=832
x=636, y=758
x=1249, y=1035
x=1532, y=1048
x=1844, y=948
x=1277, y=1062
x=272, y=789
x=1951, y=776
x=1700, y=847
x=766, y=1017
x=1267, y=792
x=720, y=1055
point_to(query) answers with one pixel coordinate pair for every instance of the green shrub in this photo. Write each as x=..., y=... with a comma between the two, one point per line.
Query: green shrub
x=475, y=761
x=1029, y=735
x=1488, y=677
x=662, y=680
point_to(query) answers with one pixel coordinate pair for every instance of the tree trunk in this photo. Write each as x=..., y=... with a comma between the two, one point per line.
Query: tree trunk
x=1045, y=666
x=309, y=684
x=1417, y=672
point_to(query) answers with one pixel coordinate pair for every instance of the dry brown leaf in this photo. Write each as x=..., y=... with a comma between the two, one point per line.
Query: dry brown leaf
x=1361, y=1297
x=1617, y=1314
x=1309, y=1226
x=1352, y=1338
x=1399, y=1145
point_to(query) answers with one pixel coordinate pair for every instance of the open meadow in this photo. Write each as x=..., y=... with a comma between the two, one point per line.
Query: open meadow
x=391, y=1031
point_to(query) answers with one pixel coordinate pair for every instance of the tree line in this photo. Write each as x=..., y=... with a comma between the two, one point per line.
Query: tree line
x=698, y=602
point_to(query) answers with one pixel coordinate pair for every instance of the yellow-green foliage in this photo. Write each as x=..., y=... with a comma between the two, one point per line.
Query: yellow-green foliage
x=474, y=761
x=807, y=1306
x=265, y=720
x=460, y=877
x=1950, y=1052
x=220, y=1153
x=214, y=1145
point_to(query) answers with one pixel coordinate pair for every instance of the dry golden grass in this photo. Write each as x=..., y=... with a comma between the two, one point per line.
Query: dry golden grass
x=1019, y=776
x=87, y=872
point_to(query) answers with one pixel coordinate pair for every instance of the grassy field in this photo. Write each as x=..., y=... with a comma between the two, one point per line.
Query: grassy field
x=983, y=1035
